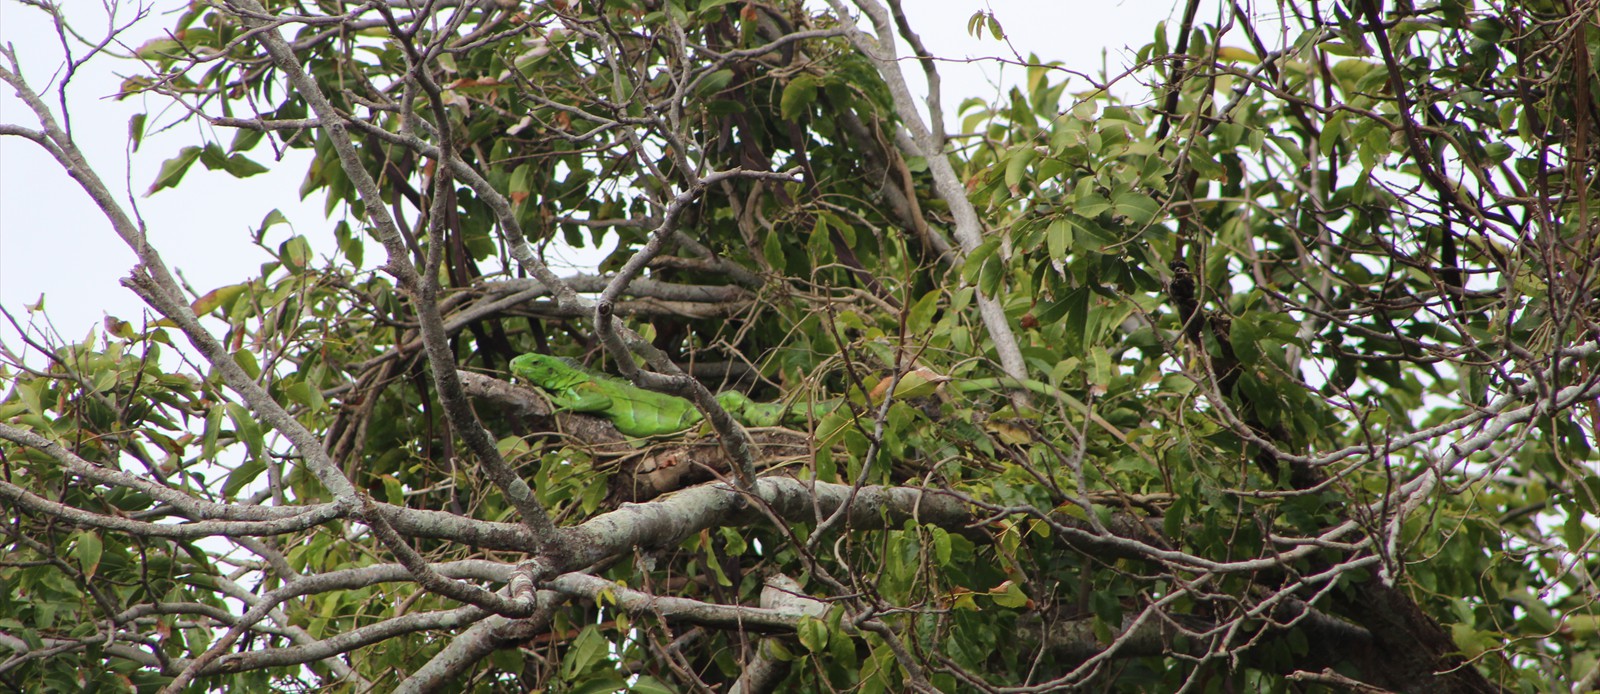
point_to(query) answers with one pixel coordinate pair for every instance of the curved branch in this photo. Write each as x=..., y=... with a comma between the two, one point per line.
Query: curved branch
x=924, y=143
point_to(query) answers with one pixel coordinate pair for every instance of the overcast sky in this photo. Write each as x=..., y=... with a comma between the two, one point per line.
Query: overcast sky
x=54, y=243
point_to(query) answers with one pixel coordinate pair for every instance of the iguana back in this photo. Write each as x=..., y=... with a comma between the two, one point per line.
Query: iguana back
x=633, y=410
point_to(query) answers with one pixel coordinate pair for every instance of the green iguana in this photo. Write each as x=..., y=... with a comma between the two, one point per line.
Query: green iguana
x=642, y=413
x=639, y=412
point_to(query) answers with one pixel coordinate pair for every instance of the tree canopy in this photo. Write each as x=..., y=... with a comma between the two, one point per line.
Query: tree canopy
x=1269, y=364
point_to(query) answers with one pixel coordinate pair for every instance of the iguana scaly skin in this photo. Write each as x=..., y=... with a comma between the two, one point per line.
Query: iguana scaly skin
x=635, y=411
x=642, y=413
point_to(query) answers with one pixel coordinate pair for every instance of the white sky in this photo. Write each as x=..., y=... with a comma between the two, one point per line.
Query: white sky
x=53, y=242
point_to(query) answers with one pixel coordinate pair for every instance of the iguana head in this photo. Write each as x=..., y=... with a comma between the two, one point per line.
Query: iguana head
x=546, y=371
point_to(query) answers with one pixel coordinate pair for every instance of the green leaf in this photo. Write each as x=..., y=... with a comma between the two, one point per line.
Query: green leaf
x=136, y=130
x=272, y=219
x=242, y=476
x=1135, y=208
x=1009, y=595
x=713, y=83
x=246, y=429
x=522, y=180
x=241, y=166
x=941, y=545
x=1496, y=152
x=213, y=429
x=1106, y=608
x=245, y=139
x=1017, y=165
x=1088, y=203
x=116, y=327
x=1333, y=132
x=172, y=170
x=1058, y=238
x=87, y=549
x=351, y=246
x=976, y=259
x=813, y=634
x=718, y=572
x=920, y=317
x=602, y=683
x=797, y=98
x=394, y=491
x=772, y=250
x=1244, y=334
x=246, y=360
x=213, y=157
x=733, y=543
x=1100, y=367
x=1586, y=492
x=991, y=274
x=1177, y=383
x=587, y=650
x=156, y=49
x=295, y=254
x=647, y=684
x=819, y=244
x=1471, y=641
x=28, y=393
x=216, y=298
x=1078, y=331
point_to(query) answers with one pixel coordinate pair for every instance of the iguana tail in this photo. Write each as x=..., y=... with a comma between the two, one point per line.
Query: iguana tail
x=770, y=414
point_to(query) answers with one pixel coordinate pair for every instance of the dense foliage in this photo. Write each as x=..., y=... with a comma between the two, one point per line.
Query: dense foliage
x=1269, y=365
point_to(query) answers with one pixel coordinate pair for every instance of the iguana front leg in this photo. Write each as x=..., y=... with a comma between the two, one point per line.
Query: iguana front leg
x=582, y=398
